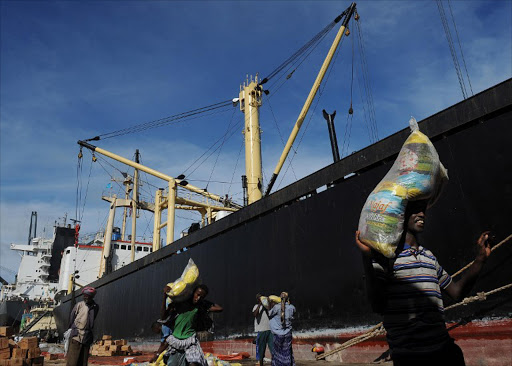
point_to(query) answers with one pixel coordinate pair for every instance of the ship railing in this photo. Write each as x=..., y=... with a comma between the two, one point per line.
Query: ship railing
x=7, y=291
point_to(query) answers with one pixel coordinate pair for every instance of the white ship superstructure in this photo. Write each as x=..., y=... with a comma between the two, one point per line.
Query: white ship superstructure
x=32, y=280
x=84, y=261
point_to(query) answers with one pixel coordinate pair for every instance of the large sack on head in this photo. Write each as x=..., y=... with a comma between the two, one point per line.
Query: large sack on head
x=417, y=174
x=182, y=288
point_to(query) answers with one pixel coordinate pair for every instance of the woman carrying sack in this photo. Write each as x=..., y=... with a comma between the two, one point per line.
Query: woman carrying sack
x=281, y=316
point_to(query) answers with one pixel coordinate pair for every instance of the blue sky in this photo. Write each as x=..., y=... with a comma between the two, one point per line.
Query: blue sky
x=72, y=70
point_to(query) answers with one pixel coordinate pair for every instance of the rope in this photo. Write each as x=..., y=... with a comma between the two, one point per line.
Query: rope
x=375, y=331
x=480, y=296
x=492, y=249
x=379, y=328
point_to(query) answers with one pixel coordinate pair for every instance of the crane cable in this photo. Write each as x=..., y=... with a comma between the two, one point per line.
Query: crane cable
x=460, y=47
x=453, y=52
x=311, y=43
x=225, y=138
x=195, y=113
x=350, y=112
x=372, y=121
x=317, y=100
x=228, y=133
x=296, y=57
x=236, y=165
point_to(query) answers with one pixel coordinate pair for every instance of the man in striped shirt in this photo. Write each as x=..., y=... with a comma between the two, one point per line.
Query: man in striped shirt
x=406, y=290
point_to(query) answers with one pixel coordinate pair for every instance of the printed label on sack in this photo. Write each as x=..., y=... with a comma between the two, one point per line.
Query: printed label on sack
x=379, y=206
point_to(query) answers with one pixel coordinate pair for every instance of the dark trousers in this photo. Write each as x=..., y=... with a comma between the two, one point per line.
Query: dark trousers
x=450, y=354
x=78, y=354
x=262, y=340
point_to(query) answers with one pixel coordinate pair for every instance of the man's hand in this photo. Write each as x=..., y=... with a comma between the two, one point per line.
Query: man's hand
x=154, y=358
x=365, y=249
x=484, y=246
x=215, y=308
x=457, y=290
x=166, y=290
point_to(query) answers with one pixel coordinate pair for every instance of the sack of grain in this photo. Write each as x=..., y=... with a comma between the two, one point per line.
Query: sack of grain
x=417, y=174
x=182, y=288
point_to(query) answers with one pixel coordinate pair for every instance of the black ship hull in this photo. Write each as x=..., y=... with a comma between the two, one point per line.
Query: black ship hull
x=11, y=311
x=302, y=242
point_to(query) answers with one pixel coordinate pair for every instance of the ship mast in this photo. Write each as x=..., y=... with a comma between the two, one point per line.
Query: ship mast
x=171, y=201
x=135, y=199
x=250, y=101
x=127, y=182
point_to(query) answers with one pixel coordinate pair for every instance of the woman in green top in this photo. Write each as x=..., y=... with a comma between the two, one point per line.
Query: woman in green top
x=190, y=317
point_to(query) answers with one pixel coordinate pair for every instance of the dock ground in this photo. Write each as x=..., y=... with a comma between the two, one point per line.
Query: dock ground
x=246, y=362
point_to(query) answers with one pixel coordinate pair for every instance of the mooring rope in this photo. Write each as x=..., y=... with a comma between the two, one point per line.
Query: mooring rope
x=480, y=296
x=379, y=328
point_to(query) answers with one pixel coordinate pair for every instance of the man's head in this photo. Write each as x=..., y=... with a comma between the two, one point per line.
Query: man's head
x=156, y=327
x=88, y=293
x=415, y=216
x=284, y=296
x=199, y=293
x=258, y=298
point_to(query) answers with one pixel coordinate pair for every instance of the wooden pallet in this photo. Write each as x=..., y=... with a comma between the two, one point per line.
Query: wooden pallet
x=111, y=347
x=24, y=353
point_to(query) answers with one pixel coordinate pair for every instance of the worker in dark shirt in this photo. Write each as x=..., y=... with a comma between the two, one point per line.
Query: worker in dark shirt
x=190, y=317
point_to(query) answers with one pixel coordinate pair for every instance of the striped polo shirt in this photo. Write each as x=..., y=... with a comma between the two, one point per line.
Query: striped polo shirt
x=414, y=312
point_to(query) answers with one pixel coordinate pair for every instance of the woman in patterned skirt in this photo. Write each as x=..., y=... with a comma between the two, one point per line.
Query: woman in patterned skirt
x=281, y=316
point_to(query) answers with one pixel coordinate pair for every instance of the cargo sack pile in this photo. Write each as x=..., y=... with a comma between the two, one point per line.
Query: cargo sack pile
x=182, y=288
x=417, y=174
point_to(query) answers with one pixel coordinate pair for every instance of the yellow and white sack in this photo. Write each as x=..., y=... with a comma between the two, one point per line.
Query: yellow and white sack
x=417, y=174
x=182, y=288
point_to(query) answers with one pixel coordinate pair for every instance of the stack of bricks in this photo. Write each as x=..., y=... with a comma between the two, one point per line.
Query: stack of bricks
x=109, y=347
x=24, y=353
